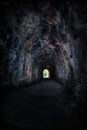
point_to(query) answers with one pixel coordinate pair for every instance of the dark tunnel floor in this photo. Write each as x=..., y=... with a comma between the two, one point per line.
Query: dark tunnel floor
x=45, y=105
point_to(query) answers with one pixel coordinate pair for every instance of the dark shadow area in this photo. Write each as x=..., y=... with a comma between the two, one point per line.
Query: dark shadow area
x=46, y=104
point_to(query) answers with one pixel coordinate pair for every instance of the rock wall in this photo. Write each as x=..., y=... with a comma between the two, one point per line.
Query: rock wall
x=32, y=36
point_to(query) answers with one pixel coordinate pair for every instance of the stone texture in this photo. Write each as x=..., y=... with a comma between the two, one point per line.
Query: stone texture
x=30, y=37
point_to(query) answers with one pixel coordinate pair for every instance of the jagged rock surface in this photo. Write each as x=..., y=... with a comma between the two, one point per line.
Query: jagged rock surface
x=31, y=38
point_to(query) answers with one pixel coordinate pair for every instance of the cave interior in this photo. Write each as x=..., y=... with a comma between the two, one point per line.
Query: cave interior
x=43, y=64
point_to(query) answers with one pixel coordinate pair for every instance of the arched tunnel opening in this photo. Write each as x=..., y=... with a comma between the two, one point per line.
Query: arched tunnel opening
x=47, y=72
x=44, y=68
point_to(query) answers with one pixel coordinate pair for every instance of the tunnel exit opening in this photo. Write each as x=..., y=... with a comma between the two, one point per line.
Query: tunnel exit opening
x=46, y=73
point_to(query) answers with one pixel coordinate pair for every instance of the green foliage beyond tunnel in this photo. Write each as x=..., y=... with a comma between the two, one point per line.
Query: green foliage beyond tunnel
x=46, y=73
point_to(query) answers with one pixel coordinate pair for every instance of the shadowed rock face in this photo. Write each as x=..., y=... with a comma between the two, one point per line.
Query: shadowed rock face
x=31, y=37
x=44, y=34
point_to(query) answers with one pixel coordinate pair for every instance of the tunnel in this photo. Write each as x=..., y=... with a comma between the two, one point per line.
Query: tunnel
x=43, y=64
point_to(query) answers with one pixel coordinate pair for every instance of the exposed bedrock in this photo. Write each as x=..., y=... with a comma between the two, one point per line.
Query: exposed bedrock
x=47, y=35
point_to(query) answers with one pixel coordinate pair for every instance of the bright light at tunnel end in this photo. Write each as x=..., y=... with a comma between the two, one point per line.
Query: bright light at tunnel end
x=46, y=73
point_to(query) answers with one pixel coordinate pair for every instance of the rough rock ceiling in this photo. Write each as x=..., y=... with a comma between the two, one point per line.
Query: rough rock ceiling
x=48, y=33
